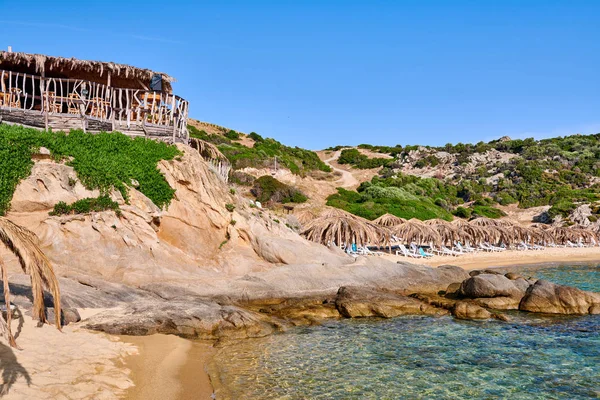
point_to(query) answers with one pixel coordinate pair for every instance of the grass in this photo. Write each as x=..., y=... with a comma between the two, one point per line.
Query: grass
x=103, y=161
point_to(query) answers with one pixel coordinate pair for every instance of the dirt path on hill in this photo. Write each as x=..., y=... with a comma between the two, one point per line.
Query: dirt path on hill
x=347, y=180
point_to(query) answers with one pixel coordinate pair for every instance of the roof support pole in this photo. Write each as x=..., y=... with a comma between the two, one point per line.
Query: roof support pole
x=44, y=96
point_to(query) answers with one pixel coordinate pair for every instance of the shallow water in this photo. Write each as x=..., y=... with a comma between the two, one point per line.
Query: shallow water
x=421, y=357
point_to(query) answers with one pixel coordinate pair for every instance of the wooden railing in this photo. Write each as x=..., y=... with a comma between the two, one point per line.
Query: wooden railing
x=124, y=109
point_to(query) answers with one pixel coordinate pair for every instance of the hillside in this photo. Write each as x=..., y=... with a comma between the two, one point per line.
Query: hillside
x=547, y=180
x=484, y=178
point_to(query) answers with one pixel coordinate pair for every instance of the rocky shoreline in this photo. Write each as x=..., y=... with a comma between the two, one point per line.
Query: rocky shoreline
x=412, y=290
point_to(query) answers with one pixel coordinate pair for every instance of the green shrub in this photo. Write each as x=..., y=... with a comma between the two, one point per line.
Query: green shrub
x=462, y=212
x=256, y=137
x=361, y=161
x=232, y=135
x=268, y=189
x=229, y=207
x=86, y=206
x=562, y=208
x=489, y=212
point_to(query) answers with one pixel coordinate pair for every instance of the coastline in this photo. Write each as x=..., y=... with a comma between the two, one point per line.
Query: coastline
x=509, y=258
x=169, y=367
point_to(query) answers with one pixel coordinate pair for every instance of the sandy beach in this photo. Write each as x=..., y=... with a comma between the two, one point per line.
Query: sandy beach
x=73, y=364
x=481, y=259
x=168, y=367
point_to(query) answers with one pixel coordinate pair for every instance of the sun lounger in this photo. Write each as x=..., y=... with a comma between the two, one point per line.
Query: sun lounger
x=424, y=253
x=404, y=252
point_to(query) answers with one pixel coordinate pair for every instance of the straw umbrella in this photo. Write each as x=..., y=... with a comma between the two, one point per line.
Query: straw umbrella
x=345, y=230
x=470, y=233
x=306, y=215
x=389, y=220
x=448, y=232
x=416, y=231
x=24, y=245
x=583, y=233
x=560, y=234
x=493, y=230
x=541, y=235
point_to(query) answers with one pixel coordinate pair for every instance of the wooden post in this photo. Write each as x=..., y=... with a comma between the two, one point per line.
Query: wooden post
x=45, y=105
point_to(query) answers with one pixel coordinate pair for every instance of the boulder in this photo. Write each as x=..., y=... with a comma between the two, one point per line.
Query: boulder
x=499, y=303
x=356, y=302
x=491, y=285
x=467, y=310
x=547, y=297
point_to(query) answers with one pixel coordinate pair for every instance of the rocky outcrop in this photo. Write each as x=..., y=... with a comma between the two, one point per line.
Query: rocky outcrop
x=547, y=297
x=357, y=302
x=467, y=310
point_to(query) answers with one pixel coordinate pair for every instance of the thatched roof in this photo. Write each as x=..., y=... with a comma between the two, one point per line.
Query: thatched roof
x=389, y=220
x=416, y=231
x=346, y=230
x=122, y=75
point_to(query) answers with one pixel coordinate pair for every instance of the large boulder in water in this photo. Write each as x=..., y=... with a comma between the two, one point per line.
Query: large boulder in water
x=547, y=297
x=356, y=302
x=467, y=310
x=492, y=285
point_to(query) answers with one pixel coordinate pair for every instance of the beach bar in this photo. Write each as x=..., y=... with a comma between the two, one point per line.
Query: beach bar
x=66, y=93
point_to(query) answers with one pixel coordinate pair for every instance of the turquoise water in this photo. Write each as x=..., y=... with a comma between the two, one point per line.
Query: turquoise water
x=421, y=357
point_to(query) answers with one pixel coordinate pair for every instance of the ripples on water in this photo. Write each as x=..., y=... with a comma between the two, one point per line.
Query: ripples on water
x=421, y=357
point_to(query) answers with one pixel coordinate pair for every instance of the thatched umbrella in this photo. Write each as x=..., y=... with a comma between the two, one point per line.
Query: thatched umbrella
x=493, y=231
x=332, y=212
x=541, y=235
x=416, y=231
x=305, y=215
x=561, y=234
x=346, y=230
x=449, y=233
x=24, y=244
x=389, y=220
x=583, y=233
x=470, y=233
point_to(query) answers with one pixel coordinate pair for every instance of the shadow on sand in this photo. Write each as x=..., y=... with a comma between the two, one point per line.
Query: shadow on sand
x=10, y=369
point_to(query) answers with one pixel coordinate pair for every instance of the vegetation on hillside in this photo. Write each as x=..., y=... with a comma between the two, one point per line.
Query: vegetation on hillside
x=103, y=161
x=361, y=161
x=262, y=155
x=268, y=189
x=408, y=197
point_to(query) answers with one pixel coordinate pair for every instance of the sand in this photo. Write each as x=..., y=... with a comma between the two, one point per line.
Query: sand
x=168, y=367
x=74, y=364
x=509, y=258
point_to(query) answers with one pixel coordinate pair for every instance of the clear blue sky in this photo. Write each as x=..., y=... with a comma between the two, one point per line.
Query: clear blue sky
x=321, y=73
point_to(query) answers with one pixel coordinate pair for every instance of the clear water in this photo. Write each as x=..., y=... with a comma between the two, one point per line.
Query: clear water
x=423, y=358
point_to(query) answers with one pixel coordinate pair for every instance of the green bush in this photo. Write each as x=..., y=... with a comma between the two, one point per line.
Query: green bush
x=361, y=161
x=562, y=208
x=268, y=189
x=487, y=211
x=232, y=135
x=229, y=207
x=256, y=137
x=103, y=161
x=86, y=206
x=462, y=212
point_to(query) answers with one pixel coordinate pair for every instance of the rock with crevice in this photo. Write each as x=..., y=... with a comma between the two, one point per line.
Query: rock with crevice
x=470, y=311
x=492, y=285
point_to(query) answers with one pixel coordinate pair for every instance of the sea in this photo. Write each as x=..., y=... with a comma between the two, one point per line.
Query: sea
x=530, y=357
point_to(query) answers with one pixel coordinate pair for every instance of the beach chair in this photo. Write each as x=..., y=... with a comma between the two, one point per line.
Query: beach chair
x=424, y=253
x=495, y=248
x=571, y=244
x=404, y=252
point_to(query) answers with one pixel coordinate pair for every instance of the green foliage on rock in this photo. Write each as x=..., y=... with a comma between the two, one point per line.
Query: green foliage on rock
x=86, y=206
x=268, y=189
x=103, y=161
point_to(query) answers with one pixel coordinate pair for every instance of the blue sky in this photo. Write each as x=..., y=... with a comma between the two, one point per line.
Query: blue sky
x=321, y=73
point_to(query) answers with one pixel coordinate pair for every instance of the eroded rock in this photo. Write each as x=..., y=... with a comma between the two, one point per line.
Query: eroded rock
x=492, y=285
x=471, y=311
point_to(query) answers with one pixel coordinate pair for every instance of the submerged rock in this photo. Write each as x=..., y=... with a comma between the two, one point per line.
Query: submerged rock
x=547, y=297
